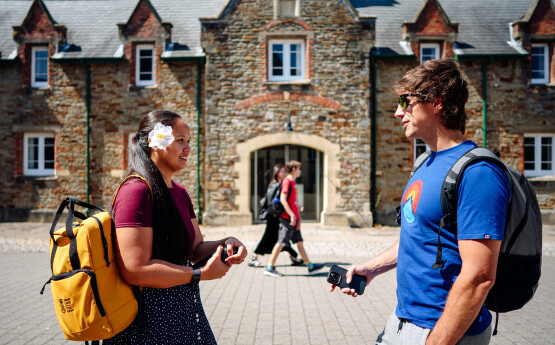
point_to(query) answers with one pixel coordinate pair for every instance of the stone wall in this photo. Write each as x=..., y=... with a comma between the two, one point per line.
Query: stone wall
x=241, y=104
x=116, y=110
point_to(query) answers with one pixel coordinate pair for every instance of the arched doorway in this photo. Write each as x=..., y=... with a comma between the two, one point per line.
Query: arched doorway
x=309, y=185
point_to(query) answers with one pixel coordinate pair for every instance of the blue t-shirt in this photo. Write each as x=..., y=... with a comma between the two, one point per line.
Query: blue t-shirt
x=482, y=204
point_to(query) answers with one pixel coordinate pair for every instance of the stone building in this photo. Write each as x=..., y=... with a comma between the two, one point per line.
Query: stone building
x=261, y=82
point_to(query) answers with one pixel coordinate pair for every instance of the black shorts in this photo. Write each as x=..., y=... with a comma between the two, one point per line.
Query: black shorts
x=288, y=233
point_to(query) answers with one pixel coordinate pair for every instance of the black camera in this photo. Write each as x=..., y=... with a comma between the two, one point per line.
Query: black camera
x=334, y=278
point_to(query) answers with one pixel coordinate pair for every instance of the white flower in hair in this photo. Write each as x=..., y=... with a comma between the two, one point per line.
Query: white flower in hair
x=161, y=136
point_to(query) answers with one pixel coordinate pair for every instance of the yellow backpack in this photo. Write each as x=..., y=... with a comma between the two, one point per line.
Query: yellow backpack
x=91, y=299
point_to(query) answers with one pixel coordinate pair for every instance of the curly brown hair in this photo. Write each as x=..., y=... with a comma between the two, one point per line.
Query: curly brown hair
x=438, y=80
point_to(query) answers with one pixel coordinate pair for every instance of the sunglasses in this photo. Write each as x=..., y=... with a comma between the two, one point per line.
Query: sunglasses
x=403, y=101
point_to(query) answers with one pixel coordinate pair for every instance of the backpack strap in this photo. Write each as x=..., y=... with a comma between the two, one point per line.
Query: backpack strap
x=419, y=161
x=128, y=177
x=450, y=191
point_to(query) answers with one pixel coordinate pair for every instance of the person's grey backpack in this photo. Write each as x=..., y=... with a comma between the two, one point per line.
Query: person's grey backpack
x=519, y=265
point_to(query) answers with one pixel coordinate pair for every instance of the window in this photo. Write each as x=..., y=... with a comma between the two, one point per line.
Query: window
x=429, y=51
x=419, y=148
x=39, y=67
x=540, y=64
x=38, y=154
x=144, y=69
x=287, y=60
x=287, y=8
x=539, y=154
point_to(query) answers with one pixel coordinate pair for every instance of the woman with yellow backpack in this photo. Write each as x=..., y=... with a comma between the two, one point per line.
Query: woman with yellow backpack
x=158, y=238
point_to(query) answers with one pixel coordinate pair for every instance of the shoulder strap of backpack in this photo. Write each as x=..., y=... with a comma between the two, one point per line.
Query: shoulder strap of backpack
x=450, y=188
x=128, y=178
x=419, y=161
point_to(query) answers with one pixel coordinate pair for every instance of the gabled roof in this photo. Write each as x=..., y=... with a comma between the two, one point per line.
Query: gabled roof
x=533, y=6
x=483, y=24
x=92, y=30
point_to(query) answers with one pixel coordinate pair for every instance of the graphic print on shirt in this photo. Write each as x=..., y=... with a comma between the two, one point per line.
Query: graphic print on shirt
x=410, y=201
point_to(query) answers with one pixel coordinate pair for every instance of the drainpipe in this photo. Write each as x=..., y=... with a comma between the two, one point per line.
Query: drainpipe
x=373, y=129
x=199, y=62
x=88, y=105
x=485, y=99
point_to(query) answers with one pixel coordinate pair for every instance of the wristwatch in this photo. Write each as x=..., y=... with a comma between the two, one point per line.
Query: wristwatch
x=196, y=275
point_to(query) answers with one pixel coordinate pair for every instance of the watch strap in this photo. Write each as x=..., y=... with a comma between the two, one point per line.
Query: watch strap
x=196, y=275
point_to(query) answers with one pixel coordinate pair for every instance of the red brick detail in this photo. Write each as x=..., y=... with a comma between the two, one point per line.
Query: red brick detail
x=431, y=22
x=542, y=21
x=125, y=148
x=285, y=21
x=38, y=25
x=294, y=96
x=144, y=22
x=18, y=154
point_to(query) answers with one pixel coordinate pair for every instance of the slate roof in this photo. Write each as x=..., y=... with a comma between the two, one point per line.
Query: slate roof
x=92, y=24
x=92, y=30
x=483, y=24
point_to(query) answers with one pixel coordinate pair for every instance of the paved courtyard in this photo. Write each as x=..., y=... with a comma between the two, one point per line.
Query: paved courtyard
x=247, y=307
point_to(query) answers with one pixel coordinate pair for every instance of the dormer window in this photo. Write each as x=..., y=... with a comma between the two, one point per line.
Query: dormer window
x=287, y=60
x=39, y=67
x=144, y=69
x=429, y=51
x=540, y=64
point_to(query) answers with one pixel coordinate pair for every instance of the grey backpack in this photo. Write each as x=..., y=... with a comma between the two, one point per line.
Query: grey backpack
x=519, y=265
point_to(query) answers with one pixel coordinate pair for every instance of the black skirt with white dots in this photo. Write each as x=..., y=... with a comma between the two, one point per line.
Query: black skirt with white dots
x=175, y=316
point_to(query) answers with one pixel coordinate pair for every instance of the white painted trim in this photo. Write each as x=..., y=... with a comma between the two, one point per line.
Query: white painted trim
x=430, y=45
x=138, y=81
x=286, y=60
x=405, y=45
x=35, y=83
x=537, y=155
x=40, y=171
x=545, y=79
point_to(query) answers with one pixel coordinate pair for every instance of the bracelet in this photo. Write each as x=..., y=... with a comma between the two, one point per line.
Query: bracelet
x=196, y=276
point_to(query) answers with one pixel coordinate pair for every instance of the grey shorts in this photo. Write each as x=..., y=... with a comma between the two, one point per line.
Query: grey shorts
x=403, y=332
x=288, y=233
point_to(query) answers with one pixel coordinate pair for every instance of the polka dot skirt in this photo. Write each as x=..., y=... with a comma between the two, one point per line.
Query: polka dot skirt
x=175, y=316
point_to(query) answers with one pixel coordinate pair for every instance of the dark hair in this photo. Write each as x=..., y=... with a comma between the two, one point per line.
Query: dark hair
x=277, y=168
x=289, y=166
x=438, y=80
x=171, y=240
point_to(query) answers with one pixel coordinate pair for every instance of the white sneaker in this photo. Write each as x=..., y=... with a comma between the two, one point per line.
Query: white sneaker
x=272, y=272
x=255, y=263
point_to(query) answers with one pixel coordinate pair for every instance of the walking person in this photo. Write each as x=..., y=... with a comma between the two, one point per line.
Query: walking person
x=269, y=239
x=290, y=221
x=158, y=238
x=441, y=303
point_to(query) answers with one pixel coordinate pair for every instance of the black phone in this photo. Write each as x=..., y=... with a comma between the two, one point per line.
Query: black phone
x=337, y=274
x=224, y=253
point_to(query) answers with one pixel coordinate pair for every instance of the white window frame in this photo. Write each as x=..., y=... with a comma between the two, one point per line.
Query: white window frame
x=286, y=60
x=538, y=171
x=429, y=45
x=545, y=79
x=138, y=80
x=41, y=170
x=34, y=82
x=417, y=144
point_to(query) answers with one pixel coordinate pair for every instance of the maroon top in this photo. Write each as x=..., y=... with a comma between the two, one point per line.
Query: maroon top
x=133, y=206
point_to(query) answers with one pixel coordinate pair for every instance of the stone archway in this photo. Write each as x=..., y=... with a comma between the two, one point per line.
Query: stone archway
x=330, y=151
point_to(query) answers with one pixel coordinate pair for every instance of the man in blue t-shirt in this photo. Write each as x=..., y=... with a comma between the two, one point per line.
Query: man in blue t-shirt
x=445, y=305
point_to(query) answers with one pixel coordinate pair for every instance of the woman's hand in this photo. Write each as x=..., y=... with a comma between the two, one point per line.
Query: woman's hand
x=214, y=268
x=235, y=259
